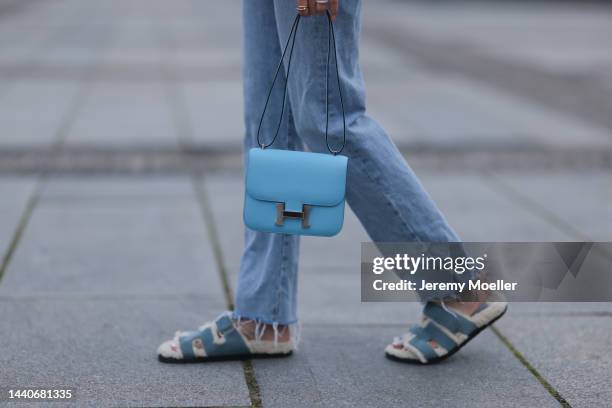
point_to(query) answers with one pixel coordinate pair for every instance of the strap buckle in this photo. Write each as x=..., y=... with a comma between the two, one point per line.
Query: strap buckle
x=224, y=325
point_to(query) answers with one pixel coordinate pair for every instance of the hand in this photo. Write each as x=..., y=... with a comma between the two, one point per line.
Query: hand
x=313, y=7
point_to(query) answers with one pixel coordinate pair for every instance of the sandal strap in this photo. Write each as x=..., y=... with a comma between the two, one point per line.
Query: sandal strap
x=229, y=343
x=224, y=324
x=423, y=347
x=417, y=330
x=434, y=333
x=453, y=322
x=443, y=332
x=186, y=343
x=431, y=332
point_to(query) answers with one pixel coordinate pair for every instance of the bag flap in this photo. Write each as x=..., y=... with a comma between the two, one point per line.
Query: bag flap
x=296, y=178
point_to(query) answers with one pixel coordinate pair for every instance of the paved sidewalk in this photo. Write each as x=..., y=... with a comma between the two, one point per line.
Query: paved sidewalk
x=109, y=249
x=106, y=267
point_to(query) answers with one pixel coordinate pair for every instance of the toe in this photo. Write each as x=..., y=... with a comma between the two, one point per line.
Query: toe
x=401, y=352
x=170, y=349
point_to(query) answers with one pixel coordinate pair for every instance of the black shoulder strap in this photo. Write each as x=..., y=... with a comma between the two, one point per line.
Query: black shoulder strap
x=291, y=40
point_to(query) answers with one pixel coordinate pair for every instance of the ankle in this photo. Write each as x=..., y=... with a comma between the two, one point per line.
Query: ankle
x=253, y=330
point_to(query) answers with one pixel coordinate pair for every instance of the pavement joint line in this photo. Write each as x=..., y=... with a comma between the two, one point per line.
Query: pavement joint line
x=189, y=158
x=63, y=199
x=122, y=72
x=503, y=187
x=60, y=134
x=172, y=91
x=252, y=384
x=207, y=213
x=211, y=230
x=35, y=197
x=247, y=365
x=75, y=107
x=586, y=96
x=82, y=94
x=184, y=132
x=102, y=297
x=547, y=386
x=176, y=99
x=21, y=226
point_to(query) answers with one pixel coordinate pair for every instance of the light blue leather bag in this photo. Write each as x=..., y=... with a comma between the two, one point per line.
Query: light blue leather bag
x=295, y=192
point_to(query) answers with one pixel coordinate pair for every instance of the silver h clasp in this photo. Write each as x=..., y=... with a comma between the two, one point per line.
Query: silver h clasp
x=281, y=214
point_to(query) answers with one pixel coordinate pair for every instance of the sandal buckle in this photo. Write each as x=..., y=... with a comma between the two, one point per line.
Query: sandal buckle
x=225, y=325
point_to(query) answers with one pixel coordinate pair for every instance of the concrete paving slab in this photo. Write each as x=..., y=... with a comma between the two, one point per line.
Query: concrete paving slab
x=346, y=367
x=129, y=246
x=124, y=115
x=14, y=37
x=574, y=197
x=101, y=283
x=133, y=33
x=14, y=195
x=475, y=116
x=561, y=37
x=332, y=296
x=226, y=195
x=82, y=54
x=24, y=34
x=20, y=50
x=572, y=353
x=480, y=213
x=215, y=111
x=109, y=187
x=105, y=350
x=225, y=63
x=174, y=34
x=47, y=101
x=385, y=65
x=121, y=57
x=339, y=251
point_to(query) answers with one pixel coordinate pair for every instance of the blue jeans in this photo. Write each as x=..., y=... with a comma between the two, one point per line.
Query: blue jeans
x=382, y=190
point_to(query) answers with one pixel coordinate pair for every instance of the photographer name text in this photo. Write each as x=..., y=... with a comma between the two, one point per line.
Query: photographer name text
x=424, y=285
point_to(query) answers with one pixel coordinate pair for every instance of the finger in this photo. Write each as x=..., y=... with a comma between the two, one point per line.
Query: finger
x=321, y=6
x=302, y=8
x=333, y=8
